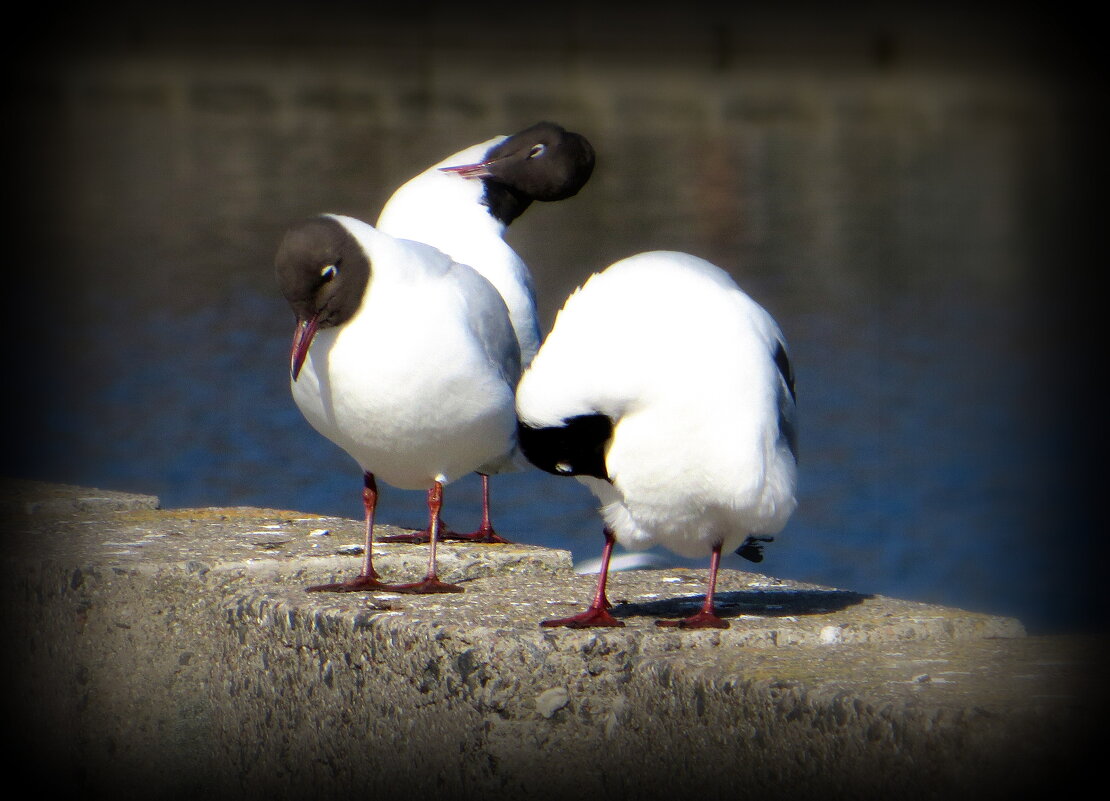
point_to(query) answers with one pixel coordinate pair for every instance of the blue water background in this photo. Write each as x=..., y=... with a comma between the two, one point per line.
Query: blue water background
x=899, y=230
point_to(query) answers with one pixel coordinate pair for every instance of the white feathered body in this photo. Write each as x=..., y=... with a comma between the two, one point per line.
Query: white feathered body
x=682, y=361
x=418, y=386
x=445, y=211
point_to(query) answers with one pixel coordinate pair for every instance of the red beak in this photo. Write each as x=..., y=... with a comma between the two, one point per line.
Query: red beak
x=470, y=170
x=302, y=338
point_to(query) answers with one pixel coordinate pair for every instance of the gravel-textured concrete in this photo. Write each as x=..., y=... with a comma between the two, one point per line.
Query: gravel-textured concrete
x=174, y=653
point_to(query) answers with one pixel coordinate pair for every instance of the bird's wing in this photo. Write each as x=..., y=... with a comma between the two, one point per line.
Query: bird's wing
x=488, y=317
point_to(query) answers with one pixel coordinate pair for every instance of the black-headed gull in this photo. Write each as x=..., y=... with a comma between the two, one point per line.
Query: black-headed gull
x=402, y=357
x=463, y=205
x=668, y=391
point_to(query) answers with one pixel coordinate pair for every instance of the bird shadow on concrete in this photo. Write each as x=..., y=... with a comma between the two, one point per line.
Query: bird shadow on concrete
x=764, y=603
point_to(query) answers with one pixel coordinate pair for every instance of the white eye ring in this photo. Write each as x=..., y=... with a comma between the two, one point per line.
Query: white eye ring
x=329, y=272
x=537, y=150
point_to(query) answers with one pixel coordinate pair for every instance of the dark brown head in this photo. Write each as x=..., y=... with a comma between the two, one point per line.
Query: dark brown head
x=543, y=162
x=322, y=271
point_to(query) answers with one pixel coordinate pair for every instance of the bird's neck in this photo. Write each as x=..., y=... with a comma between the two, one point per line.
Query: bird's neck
x=434, y=201
x=503, y=203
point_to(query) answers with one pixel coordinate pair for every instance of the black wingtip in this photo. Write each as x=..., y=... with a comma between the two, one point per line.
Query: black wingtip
x=752, y=549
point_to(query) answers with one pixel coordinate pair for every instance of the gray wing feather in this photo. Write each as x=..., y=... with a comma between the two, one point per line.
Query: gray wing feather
x=488, y=318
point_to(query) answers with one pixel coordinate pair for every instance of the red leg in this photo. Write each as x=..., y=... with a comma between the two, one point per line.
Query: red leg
x=368, y=578
x=706, y=616
x=485, y=532
x=596, y=615
x=431, y=582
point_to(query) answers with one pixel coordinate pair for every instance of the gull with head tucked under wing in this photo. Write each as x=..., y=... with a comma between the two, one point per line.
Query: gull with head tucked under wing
x=668, y=391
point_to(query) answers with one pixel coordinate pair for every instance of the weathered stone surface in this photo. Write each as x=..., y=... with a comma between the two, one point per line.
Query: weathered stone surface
x=174, y=653
x=36, y=497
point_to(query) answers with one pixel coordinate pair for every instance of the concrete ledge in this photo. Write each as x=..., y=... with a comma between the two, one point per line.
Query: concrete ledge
x=174, y=653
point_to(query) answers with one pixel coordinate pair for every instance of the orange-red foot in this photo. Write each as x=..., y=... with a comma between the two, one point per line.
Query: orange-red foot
x=427, y=586
x=483, y=534
x=359, y=584
x=592, y=617
x=420, y=537
x=702, y=620
x=415, y=538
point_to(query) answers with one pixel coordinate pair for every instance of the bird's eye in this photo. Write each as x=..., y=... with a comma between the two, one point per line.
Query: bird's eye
x=329, y=272
x=537, y=150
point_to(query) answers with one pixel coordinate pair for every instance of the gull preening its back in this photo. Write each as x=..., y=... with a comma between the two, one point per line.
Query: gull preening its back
x=668, y=391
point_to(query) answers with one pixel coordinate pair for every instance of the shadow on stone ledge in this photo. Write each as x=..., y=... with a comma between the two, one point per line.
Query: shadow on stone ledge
x=760, y=603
